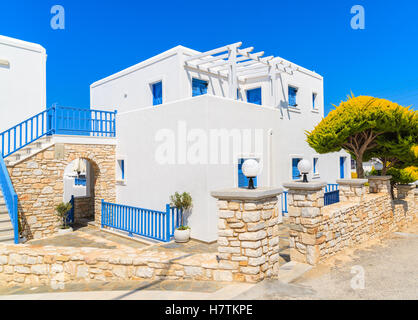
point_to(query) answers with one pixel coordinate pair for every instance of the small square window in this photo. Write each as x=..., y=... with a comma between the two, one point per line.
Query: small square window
x=314, y=96
x=199, y=87
x=295, y=171
x=121, y=170
x=254, y=96
x=157, y=93
x=315, y=165
x=292, y=96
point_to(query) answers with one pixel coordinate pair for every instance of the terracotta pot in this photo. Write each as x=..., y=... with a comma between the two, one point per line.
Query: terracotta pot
x=182, y=235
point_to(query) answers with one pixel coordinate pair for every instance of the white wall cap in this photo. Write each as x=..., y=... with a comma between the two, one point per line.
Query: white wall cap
x=246, y=194
x=22, y=44
x=299, y=185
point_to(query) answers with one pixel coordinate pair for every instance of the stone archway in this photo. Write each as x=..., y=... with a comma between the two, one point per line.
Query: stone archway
x=38, y=181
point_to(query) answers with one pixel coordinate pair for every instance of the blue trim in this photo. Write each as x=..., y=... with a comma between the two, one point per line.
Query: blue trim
x=295, y=171
x=254, y=96
x=157, y=93
x=122, y=168
x=315, y=165
x=292, y=93
x=199, y=87
x=153, y=224
x=284, y=202
x=342, y=167
x=314, y=95
x=10, y=197
x=80, y=182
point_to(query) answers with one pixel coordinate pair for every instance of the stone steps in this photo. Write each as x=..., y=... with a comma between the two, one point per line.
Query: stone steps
x=6, y=227
x=28, y=151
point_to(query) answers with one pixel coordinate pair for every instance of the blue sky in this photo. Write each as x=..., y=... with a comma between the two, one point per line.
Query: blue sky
x=103, y=37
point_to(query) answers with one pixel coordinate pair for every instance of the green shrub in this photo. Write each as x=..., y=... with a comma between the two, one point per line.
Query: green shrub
x=62, y=210
x=183, y=202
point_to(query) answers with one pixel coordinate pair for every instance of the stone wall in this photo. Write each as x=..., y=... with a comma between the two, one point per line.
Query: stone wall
x=318, y=232
x=55, y=266
x=83, y=208
x=248, y=234
x=38, y=182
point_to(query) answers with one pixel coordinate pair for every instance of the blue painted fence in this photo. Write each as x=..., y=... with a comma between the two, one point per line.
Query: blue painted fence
x=10, y=197
x=153, y=224
x=58, y=120
x=332, y=194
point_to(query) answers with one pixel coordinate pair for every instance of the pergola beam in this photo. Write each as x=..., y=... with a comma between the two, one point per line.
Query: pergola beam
x=214, y=51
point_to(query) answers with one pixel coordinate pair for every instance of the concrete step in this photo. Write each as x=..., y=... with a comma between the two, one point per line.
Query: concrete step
x=8, y=239
x=6, y=230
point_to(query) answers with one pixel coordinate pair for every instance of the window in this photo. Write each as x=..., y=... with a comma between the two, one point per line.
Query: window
x=121, y=170
x=157, y=93
x=314, y=95
x=80, y=181
x=315, y=165
x=199, y=87
x=254, y=96
x=292, y=96
x=242, y=179
x=342, y=167
x=295, y=170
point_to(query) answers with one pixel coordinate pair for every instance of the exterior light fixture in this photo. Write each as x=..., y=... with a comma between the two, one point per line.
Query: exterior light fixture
x=378, y=166
x=250, y=169
x=304, y=167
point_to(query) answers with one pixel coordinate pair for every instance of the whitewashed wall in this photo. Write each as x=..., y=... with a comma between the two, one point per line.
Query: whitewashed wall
x=149, y=184
x=23, y=82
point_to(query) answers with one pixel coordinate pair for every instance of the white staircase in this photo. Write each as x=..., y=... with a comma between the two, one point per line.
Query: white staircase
x=28, y=151
x=6, y=227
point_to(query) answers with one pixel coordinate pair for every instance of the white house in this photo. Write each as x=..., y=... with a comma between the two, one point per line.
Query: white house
x=22, y=80
x=186, y=120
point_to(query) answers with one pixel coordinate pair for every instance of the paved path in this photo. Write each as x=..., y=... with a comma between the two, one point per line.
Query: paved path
x=390, y=272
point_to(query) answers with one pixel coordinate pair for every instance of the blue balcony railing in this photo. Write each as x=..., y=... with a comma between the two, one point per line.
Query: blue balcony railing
x=58, y=120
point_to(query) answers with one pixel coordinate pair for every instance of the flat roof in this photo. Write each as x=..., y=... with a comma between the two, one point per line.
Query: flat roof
x=22, y=44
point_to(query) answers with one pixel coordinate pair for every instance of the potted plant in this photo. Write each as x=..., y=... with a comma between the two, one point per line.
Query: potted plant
x=62, y=211
x=184, y=203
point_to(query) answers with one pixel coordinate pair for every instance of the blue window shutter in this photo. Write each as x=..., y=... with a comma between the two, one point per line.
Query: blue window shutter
x=122, y=167
x=199, y=87
x=313, y=100
x=157, y=93
x=254, y=96
x=342, y=169
x=315, y=165
x=295, y=170
x=292, y=96
x=243, y=180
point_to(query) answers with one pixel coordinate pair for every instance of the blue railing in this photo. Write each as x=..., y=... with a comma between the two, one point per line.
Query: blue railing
x=70, y=217
x=24, y=133
x=10, y=197
x=153, y=224
x=79, y=121
x=331, y=197
x=284, y=202
x=331, y=187
x=58, y=120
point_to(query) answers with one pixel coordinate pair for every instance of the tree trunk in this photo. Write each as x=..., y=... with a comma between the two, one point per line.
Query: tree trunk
x=359, y=167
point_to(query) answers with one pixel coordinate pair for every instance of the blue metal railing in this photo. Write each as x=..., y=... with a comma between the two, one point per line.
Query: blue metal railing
x=284, y=202
x=331, y=197
x=153, y=224
x=79, y=121
x=58, y=120
x=331, y=187
x=24, y=133
x=10, y=197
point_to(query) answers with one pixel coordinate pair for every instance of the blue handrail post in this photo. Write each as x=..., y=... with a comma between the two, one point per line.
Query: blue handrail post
x=167, y=223
x=16, y=219
x=102, y=217
x=114, y=123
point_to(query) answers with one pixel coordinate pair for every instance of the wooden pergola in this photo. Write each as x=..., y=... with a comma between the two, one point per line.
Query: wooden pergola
x=239, y=65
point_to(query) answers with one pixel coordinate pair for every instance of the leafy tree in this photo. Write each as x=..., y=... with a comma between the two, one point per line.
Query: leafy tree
x=356, y=125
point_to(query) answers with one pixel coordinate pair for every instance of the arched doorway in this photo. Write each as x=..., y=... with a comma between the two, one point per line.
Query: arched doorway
x=80, y=177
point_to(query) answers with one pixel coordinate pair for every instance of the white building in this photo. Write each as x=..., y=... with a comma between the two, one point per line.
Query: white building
x=178, y=111
x=22, y=81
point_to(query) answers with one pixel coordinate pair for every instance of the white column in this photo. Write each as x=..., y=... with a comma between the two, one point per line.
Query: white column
x=232, y=75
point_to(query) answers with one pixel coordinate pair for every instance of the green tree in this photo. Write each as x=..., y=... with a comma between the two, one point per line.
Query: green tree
x=356, y=125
